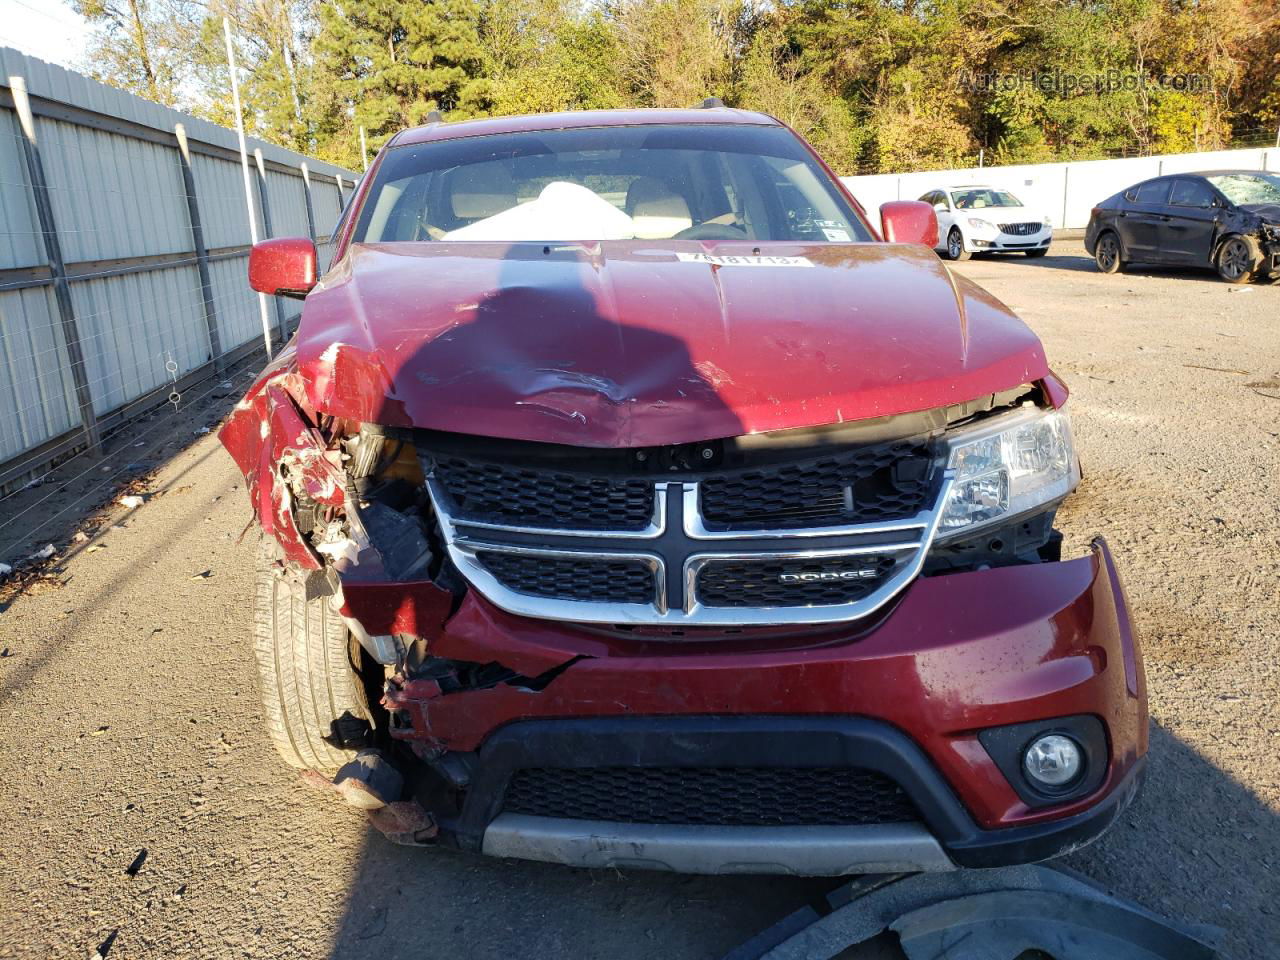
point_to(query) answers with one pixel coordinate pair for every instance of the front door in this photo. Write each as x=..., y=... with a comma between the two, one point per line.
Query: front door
x=1193, y=221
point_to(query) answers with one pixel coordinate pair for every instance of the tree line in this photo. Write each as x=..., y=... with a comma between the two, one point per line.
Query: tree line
x=876, y=85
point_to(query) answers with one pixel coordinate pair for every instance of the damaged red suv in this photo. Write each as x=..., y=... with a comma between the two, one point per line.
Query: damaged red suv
x=628, y=500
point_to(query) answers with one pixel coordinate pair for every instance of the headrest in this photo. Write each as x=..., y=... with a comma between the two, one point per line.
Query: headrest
x=480, y=190
x=656, y=210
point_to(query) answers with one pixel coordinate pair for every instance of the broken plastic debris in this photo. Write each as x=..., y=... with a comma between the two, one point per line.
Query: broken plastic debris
x=344, y=549
x=5, y=569
x=202, y=575
x=202, y=430
x=133, y=868
x=44, y=553
x=104, y=947
x=131, y=501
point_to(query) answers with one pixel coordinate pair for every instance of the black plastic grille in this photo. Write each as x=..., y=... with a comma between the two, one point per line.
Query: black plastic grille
x=603, y=581
x=1020, y=229
x=771, y=583
x=722, y=796
x=885, y=482
x=496, y=493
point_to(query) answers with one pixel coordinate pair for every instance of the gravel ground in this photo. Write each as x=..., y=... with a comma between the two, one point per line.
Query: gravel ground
x=131, y=719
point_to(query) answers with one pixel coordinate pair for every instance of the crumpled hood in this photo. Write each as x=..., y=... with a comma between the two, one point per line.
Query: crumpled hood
x=641, y=342
x=1270, y=212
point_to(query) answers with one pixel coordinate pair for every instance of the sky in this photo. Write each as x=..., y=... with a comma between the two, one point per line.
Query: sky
x=47, y=29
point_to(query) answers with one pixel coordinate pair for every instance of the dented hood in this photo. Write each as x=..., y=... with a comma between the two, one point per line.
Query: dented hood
x=637, y=343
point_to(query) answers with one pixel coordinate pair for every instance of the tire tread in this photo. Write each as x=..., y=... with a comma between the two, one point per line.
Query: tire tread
x=306, y=678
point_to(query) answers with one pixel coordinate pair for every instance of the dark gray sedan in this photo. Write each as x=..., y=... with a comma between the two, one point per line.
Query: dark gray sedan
x=1227, y=220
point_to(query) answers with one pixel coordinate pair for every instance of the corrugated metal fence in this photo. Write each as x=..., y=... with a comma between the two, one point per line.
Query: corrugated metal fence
x=123, y=275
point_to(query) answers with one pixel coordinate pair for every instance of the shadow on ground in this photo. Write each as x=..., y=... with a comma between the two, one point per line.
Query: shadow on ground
x=414, y=903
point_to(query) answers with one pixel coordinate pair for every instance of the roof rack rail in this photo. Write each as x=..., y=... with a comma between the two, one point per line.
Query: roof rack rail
x=711, y=103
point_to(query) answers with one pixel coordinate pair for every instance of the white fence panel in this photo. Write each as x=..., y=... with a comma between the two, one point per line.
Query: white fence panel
x=1064, y=191
x=115, y=196
x=36, y=391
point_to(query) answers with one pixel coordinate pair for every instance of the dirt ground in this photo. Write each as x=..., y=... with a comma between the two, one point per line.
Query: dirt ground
x=130, y=718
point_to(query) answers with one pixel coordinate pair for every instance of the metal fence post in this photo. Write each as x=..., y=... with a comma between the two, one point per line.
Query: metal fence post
x=1066, y=179
x=244, y=169
x=197, y=240
x=306, y=195
x=268, y=233
x=53, y=251
x=342, y=197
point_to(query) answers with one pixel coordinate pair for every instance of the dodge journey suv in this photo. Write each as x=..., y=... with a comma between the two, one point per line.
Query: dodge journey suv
x=629, y=498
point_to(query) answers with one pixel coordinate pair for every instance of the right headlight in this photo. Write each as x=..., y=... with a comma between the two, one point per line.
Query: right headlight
x=1007, y=466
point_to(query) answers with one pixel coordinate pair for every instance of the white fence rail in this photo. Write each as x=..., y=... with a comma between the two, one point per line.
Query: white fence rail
x=1064, y=191
x=123, y=254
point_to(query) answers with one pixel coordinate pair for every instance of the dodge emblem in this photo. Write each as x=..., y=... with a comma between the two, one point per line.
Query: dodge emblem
x=818, y=576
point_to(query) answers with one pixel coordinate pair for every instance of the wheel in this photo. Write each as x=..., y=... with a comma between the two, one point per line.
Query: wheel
x=305, y=667
x=1107, y=253
x=955, y=246
x=1036, y=253
x=1237, y=259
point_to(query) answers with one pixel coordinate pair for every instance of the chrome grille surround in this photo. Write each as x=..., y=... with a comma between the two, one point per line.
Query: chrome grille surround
x=677, y=545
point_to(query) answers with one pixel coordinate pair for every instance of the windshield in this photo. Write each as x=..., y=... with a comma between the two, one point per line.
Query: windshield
x=980, y=197
x=704, y=181
x=1242, y=188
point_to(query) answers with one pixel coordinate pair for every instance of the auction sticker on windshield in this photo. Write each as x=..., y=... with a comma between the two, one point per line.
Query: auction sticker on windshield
x=740, y=260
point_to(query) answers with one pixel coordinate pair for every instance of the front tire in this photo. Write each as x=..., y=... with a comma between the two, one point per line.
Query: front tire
x=1107, y=254
x=955, y=246
x=1238, y=258
x=305, y=667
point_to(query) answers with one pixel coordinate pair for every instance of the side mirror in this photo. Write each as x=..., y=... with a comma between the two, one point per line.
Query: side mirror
x=909, y=221
x=284, y=267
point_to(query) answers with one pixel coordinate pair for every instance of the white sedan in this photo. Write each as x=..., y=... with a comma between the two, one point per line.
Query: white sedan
x=987, y=220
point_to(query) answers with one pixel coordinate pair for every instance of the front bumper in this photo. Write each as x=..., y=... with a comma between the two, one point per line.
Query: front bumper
x=998, y=242
x=1004, y=243
x=957, y=654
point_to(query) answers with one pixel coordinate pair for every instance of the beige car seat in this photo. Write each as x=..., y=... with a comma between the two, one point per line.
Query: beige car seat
x=480, y=190
x=657, y=211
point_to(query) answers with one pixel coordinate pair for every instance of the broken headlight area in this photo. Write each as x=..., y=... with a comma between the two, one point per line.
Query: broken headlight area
x=1009, y=474
x=380, y=528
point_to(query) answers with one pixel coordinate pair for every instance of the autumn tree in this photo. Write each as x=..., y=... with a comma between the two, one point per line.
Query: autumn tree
x=139, y=45
x=391, y=62
x=542, y=56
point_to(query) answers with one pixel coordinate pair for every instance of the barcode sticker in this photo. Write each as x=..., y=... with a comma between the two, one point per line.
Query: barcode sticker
x=743, y=260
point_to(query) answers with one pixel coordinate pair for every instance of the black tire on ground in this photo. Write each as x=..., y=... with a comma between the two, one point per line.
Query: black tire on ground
x=305, y=657
x=1107, y=253
x=955, y=246
x=1238, y=259
x=1036, y=253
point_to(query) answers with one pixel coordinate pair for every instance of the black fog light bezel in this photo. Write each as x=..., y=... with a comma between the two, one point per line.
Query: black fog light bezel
x=1007, y=746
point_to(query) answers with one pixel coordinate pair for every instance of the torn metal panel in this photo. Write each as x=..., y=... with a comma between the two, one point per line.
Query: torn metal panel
x=1061, y=925
x=283, y=459
x=981, y=915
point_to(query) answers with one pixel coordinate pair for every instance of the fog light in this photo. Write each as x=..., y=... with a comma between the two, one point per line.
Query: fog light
x=1052, y=761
